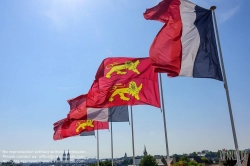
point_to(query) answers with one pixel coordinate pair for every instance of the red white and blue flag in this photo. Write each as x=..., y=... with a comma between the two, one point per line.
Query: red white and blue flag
x=186, y=45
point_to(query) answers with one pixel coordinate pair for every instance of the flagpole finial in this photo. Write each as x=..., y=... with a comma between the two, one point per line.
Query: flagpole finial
x=212, y=7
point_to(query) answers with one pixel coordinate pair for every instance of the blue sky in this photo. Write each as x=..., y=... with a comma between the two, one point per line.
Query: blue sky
x=50, y=51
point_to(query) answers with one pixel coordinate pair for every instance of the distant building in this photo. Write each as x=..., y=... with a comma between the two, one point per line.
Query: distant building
x=247, y=151
x=158, y=156
x=125, y=156
x=64, y=157
x=68, y=157
x=137, y=162
x=202, y=154
x=145, y=153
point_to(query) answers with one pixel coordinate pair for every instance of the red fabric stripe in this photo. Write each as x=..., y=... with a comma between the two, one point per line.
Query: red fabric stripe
x=166, y=49
x=100, y=125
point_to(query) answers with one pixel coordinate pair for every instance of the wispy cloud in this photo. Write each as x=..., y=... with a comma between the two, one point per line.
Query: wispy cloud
x=227, y=15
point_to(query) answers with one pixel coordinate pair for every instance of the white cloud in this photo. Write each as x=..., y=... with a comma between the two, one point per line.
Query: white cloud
x=227, y=15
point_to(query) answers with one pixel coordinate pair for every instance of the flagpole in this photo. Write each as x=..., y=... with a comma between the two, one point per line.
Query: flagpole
x=132, y=127
x=111, y=141
x=164, y=120
x=97, y=148
x=226, y=88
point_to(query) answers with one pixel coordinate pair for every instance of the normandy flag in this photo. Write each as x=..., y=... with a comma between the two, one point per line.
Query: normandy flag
x=124, y=81
x=67, y=128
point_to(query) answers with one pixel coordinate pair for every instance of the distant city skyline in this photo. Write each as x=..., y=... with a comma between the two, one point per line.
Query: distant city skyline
x=67, y=156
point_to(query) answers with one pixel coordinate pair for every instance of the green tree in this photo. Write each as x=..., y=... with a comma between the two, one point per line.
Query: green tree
x=148, y=161
x=130, y=161
x=175, y=155
x=103, y=163
x=94, y=164
x=181, y=163
x=193, y=163
x=108, y=163
x=186, y=163
x=193, y=154
x=205, y=160
x=184, y=158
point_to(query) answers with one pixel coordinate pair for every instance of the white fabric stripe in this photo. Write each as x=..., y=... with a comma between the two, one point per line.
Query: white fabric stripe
x=99, y=114
x=190, y=38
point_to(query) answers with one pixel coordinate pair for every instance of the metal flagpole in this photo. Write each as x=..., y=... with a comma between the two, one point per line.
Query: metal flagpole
x=132, y=127
x=164, y=120
x=111, y=141
x=226, y=88
x=97, y=148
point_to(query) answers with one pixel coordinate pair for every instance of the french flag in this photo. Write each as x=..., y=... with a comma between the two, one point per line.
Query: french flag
x=186, y=45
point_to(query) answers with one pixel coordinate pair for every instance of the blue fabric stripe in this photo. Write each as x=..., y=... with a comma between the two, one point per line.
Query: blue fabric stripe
x=206, y=64
x=118, y=114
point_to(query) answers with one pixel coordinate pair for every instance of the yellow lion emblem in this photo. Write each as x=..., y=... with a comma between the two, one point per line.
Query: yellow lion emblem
x=132, y=90
x=129, y=65
x=83, y=124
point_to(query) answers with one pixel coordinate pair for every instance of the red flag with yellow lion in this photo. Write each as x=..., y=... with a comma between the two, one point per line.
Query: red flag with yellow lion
x=124, y=81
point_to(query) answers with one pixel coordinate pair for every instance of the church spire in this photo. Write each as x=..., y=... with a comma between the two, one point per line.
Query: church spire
x=145, y=153
x=64, y=156
x=68, y=156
